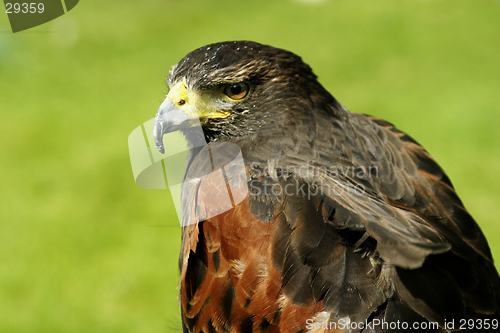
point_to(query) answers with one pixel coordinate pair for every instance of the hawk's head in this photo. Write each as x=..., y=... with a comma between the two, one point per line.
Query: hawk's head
x=242, y=88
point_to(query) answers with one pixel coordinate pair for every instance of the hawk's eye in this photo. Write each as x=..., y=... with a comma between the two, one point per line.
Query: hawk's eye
x=237, y=91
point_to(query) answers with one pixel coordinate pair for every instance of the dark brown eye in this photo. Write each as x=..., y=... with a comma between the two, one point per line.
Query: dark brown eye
x=237, y=91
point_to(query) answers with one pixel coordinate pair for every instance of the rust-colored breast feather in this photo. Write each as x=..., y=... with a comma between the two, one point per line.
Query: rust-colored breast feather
x=228, y=280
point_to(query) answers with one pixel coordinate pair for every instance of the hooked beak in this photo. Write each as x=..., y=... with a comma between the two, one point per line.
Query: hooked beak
x=169, y=118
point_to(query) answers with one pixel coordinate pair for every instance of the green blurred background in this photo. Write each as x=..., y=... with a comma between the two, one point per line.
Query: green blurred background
x=83, y=249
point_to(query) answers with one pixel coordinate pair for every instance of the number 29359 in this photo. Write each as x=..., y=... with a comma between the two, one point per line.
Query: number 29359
x=24, y=8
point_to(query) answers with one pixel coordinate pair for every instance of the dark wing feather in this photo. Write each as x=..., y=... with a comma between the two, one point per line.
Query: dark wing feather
x=424, y=250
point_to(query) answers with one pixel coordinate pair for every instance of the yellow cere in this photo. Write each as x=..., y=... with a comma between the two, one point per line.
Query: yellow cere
x=193, y=103
x=178, y=94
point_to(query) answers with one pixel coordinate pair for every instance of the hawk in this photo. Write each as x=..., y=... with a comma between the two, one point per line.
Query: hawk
x=348, y=224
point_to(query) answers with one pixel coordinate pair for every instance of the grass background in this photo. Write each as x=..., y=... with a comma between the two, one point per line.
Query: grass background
x=83, y=249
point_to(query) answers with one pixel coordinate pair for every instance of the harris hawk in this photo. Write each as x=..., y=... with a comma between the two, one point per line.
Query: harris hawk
x=347, y=224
